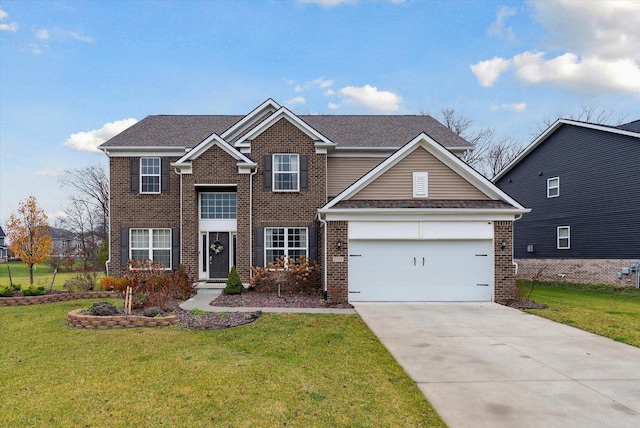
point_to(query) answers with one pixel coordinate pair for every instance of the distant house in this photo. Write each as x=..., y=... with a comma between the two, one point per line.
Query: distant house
x=65, y=243
x=582, y=182
x=371, y=198
x=3, y=246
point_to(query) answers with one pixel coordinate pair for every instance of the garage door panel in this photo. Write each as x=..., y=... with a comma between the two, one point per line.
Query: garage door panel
x=420, y=270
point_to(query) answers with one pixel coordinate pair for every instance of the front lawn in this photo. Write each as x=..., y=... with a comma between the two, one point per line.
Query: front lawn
x=281, y=370
x=609, y=311
x=42, y=275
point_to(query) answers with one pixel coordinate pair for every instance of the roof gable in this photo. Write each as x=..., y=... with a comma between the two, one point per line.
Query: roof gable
x=468, y=174
x=552, y=129
x=184, y=163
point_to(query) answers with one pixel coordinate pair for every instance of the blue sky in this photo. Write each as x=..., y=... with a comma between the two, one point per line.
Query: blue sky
x=74, y=73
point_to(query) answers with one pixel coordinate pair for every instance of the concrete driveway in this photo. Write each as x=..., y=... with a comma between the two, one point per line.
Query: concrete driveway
x=486, y=365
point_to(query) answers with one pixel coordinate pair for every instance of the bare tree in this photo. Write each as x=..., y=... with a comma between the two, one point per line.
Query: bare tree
x=93, y=187
x=81, y=217
x=591, y=114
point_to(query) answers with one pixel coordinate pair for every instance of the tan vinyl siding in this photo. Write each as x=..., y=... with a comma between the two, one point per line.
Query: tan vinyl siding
x=342, y=172
x=397, y=182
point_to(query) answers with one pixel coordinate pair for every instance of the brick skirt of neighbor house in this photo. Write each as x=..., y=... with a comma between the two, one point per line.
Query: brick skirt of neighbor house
x=581, y=271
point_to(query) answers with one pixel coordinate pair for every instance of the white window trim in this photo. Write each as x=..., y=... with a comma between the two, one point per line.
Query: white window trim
x=274, y=172
x=417, y=178
x=150, y=247
x=549, y=187
x=286, y=243
x=568, y=237
x=216, y=193
x=159, y=175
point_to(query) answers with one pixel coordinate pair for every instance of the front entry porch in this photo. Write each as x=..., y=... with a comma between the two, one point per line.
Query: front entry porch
x=217, y=255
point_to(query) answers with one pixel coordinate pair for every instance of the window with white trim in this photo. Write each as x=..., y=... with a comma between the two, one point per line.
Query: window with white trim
x=151, y=244
x=553, y=187
x=218, y=206
x=286, y=172
x=420, y=184
x=149, y=175
x=289, y=242
x=564, y=237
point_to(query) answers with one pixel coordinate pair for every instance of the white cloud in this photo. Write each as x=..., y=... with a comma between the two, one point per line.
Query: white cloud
x=515, y=106
x=76, y=35
x=498, y=28
x=593, y=48
x=89, y=141
x=320, y=82
x=327, y=3
x=487, y=72
x=42, y=34
x=50, y=172
x=329, y=93
x=371, y=98
x=333, y=106
x=10, y=26
x=294, y=101
x=35, y=49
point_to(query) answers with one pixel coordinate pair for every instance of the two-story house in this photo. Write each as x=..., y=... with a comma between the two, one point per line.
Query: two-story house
x=384, y=204
x=582, y=182
x=3, y=246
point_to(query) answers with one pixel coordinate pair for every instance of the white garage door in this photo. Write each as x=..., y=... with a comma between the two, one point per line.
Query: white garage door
x=396, y=271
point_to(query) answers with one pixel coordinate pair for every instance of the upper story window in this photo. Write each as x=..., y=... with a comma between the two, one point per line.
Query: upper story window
x=286, y=172
x=420, y=184
x=151, y=244
x=553, y=187
x=564, y=237
x=150, y=175
x=218, y=206
x=285, y=242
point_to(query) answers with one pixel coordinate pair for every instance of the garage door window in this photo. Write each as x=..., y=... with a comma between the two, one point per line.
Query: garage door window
x=288, y=242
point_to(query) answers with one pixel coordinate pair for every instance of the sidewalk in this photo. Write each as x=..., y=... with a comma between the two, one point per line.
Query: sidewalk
x=203, y=298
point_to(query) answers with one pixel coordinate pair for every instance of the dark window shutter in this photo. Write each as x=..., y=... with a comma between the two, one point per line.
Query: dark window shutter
x=164, y=175
x=124, y=248
x=175, y=248
x=313, y=244
x=304, y=172
x=135, y=175
x=259, y=247
x=266, y=171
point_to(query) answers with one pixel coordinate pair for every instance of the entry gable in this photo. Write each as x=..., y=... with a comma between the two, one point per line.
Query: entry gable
x=321, y=142
x=448, y=177
x=184, y=164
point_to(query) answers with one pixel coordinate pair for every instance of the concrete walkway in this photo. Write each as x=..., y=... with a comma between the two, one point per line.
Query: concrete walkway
x=203, y=298
x=486, y=365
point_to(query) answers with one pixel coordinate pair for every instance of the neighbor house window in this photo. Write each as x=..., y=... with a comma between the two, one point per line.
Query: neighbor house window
x=218, y=206
x=564, y=237
x=150, y=175
x=151, y=244
x=286, y=172
x=553, y=187
x=288, y=242
x=420, y=184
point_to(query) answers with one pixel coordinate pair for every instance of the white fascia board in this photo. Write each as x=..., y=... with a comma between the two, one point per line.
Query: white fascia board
x=138, y=151
x=214, y=139
x=268, y=106
x=550, y=130
x=283, y=112
x=413, y=214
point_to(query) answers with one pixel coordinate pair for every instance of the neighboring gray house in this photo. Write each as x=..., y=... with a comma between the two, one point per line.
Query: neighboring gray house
x=3, y=246
x=64, y=242
x=582, y=182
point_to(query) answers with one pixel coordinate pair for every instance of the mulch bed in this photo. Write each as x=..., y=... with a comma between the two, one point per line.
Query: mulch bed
x=523, y=304
x=254, y=299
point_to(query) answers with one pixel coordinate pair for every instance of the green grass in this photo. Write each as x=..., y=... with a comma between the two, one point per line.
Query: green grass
x=608, y=311
x=42, y=275
x=281, y=370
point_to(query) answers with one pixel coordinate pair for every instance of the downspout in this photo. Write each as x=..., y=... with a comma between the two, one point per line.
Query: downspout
x=106, y=264
x=181, y=220
x=324, y=254
x=251, y=219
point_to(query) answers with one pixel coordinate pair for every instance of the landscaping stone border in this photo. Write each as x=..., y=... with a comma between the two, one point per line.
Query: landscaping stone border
x=76, y=319
x=58, y=297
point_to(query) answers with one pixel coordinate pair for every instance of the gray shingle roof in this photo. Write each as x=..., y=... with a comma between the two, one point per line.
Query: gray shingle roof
x=426, y=203
x=345, y=131
x=631, y=126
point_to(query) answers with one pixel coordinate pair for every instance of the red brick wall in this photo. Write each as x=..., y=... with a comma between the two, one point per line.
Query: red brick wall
x=337, y=261
x=504, y=270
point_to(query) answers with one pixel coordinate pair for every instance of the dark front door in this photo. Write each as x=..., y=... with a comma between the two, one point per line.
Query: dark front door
x=219, y=254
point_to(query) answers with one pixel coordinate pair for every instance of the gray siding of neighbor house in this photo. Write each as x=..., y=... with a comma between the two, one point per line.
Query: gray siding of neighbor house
x=599, y=195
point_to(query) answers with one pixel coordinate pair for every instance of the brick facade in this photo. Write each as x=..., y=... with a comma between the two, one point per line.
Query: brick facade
x=337, y=261
x=580, y=271
x=504, y=269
